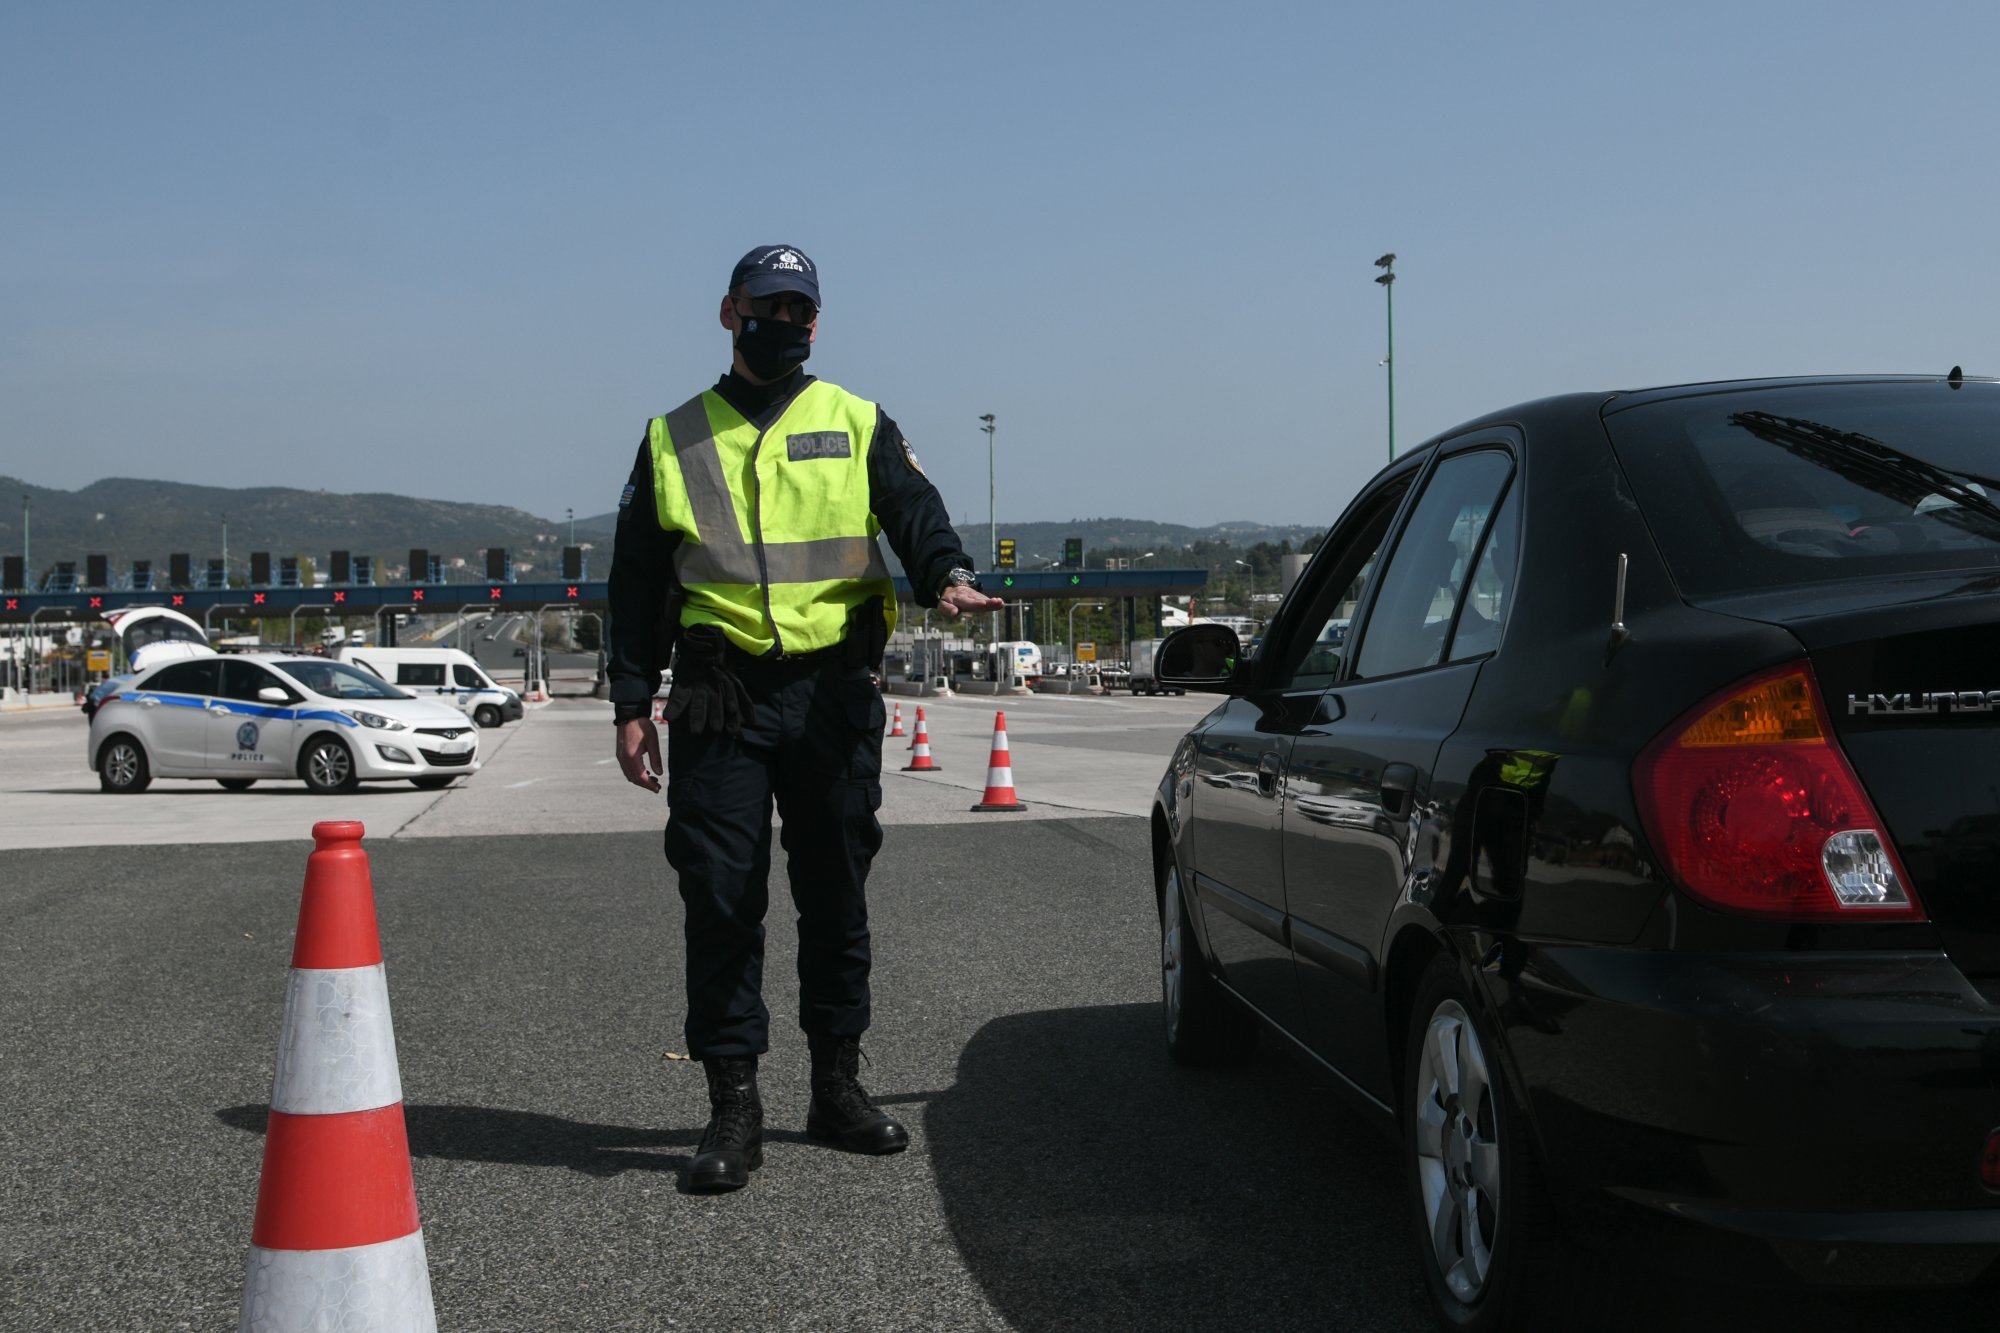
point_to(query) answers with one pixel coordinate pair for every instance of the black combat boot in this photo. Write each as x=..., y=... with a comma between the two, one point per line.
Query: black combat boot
x=733, y=1145
x=841, y=1112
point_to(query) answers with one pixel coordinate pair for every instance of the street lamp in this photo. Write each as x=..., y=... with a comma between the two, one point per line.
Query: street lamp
x=1388, y=280
x=1095, y=606
x=992, y=522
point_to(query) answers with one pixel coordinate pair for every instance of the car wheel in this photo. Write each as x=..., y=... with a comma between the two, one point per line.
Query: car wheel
x=487, y=716
x=328, y=767
x=236, y=784
x=432, y=781
x=122, y=767
x=1490, y=1252
x=1203, y=1026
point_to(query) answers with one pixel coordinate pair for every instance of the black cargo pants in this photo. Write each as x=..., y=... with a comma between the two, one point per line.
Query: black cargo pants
x=812, y=743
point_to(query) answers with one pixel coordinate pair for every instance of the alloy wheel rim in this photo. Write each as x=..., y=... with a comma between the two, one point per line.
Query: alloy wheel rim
x=1173, y=970
x=329, y=765
x=1458, y=1152
x=124, y=765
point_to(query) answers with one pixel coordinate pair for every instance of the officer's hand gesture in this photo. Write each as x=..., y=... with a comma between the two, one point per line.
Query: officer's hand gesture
x=639, y=752
x=964, y=598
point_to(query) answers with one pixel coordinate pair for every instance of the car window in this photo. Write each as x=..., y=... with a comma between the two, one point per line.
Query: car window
x=184, y=678
x=338, y=680
x=1412, y=614
x=1491, y=591
x=1310, y=651
x=1819, y=483
x=420, y=673
x=469, y=679
x=242, y=680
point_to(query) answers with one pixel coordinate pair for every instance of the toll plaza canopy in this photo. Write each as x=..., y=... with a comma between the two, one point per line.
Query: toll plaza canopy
x=452, y=598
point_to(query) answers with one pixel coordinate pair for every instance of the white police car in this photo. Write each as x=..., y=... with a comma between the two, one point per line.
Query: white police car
x=241, y=719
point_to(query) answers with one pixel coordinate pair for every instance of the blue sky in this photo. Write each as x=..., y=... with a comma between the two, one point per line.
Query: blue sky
x=464, y=251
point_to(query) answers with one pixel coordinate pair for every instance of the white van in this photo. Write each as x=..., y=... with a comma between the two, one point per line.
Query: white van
x=441, y=673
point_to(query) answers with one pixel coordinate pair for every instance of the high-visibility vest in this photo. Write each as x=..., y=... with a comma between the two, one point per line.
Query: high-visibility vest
x=778, y=542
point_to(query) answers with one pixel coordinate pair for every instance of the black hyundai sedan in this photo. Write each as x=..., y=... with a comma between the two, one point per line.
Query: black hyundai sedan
x=1613, y=805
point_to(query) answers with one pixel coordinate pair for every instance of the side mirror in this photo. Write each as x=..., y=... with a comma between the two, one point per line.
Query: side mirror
x=1200, y=657
x=271, y=694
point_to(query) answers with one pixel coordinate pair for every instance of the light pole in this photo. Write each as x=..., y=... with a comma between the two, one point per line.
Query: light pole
x=1095, y=606
x=1387, y=263
x=992, y=520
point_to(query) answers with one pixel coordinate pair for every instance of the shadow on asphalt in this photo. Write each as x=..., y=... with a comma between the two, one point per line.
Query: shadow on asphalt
x=529, y=1138
x=1090, y=1183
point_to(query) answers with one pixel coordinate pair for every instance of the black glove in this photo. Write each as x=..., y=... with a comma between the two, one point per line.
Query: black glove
x=706, y=693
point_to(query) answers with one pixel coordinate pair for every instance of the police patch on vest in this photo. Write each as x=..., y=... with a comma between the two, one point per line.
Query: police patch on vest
x=818, y=444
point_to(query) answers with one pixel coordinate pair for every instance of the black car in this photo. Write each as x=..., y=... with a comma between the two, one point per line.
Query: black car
x=1614, y=806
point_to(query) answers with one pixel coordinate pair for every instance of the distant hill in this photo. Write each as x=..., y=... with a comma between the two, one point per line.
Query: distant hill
x=1101, y=536
x=128, y=520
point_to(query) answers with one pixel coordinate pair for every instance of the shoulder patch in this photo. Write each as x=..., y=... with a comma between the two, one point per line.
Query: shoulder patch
x=910, y=457
x=625, y=496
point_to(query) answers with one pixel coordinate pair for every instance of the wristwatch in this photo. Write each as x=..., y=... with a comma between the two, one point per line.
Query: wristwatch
x=959, y=578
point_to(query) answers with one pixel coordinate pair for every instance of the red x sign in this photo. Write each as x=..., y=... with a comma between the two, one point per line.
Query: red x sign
x=493, y=593
x=96, y=602
x=13, y=604
x=179, y=600
x=340, y=597
x=257, y=598
x=417, y=596
x=569, y=592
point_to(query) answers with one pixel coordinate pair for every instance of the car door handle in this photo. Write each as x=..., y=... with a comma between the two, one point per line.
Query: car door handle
x=1267, y=773
x=149, y=701
x=1397, y=779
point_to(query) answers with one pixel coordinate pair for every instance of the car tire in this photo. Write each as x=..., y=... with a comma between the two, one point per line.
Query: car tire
x=433, y=781
x=236, y=784
x=122, y=768
x=1484, y=1227
x=327, y=766
x=486, y=716
x=1204, y=1026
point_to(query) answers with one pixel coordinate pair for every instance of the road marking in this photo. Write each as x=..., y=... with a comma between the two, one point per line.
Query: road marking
x=528, y=783
x=602, y=762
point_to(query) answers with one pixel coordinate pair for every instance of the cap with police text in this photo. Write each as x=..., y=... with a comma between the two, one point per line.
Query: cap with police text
x=770, y=269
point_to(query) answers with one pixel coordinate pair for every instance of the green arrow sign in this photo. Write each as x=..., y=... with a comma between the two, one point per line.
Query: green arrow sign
x=1007, y=582
x=1075, y=580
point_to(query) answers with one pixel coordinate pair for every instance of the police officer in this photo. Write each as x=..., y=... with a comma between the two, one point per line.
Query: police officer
x=747, y=547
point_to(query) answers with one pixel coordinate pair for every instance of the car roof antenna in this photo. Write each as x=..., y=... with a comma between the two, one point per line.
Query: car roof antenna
x=1619, y=634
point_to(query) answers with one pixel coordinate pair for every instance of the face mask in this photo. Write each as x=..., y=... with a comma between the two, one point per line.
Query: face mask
x=772, y=348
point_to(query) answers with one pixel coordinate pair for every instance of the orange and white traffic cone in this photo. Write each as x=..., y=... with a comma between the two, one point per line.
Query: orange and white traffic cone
x=920, y=725
x=896, y=726
x=1000, y=772
x=920, y=749
x=336, y=1242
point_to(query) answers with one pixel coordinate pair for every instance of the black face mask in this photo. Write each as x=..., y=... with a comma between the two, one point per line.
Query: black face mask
x=772, y=348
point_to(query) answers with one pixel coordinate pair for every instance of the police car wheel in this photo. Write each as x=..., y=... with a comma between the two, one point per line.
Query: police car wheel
x=236, y=784
x=121, y=766
x=328, y=767
x=487, y=716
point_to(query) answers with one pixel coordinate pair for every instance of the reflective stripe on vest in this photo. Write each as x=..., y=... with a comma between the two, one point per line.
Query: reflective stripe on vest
x=762, y=589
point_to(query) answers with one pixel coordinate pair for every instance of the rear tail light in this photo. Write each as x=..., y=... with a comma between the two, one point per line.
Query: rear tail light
x=1753, y=808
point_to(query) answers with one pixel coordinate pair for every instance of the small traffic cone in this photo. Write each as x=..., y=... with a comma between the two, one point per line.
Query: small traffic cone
x=920, y=722
x=336, y=1242
x=896, y=726
x=999, y=772
x=920, y=749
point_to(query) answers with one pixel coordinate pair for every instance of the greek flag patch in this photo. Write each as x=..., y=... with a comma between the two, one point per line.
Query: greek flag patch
x=818, y=444
x=625, y=496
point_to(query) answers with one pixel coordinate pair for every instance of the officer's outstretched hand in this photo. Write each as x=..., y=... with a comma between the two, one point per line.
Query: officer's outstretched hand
x=639, y=753
x=963, y=598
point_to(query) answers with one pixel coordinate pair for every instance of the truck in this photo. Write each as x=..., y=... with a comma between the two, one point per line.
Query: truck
x=1142, y=679
x=1017, y=657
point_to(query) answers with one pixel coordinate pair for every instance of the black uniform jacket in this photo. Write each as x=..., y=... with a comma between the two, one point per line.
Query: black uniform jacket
x=908, y=507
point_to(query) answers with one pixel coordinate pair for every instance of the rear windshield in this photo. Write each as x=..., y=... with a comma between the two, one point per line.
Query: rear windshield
x=1805, y=484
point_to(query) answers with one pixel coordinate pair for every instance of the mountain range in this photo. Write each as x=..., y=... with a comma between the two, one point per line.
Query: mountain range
x=128, y=519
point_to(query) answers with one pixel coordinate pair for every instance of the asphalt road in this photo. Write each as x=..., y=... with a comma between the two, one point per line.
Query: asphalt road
x=1064, y=1175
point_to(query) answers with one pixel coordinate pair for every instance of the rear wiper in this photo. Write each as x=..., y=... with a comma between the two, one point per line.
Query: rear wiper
x=1865, y=459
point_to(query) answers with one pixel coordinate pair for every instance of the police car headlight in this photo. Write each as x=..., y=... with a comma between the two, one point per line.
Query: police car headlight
x=375, y=720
